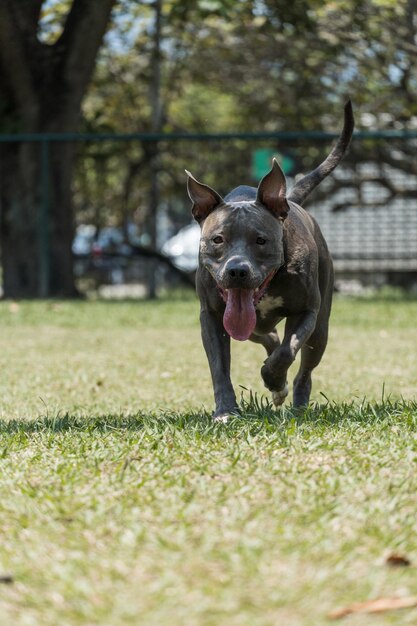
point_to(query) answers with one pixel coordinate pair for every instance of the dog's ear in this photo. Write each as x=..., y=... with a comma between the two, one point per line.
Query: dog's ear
x=203, y=197
x=272, y=192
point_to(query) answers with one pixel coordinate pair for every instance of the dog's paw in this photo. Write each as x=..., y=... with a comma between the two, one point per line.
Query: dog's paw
x=222, y=419
x=278, y=397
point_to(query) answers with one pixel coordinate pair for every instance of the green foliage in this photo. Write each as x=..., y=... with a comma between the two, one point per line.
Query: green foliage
x=278, y=55
x=245, y=66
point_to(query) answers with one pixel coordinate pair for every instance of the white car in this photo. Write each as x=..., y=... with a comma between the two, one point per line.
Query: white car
x=182, y=248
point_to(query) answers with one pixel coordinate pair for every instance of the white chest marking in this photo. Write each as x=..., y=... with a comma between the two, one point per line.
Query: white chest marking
x=268, y=303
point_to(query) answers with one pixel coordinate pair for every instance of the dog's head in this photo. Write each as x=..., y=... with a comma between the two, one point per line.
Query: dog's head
x=241, y=243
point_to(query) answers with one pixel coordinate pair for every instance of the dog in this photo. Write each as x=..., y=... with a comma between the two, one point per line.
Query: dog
x=263, y=258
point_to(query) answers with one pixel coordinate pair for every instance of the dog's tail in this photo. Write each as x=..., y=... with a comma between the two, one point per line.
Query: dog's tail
x=306, y=185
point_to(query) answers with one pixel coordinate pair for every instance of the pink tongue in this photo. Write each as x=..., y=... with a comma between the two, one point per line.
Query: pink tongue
x=240, y=316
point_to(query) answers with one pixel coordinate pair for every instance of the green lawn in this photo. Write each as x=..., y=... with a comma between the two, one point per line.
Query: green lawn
x=122, y=503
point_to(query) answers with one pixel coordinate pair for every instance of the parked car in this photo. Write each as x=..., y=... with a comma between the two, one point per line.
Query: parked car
x=182, y=248
x=82, y=244
x=104, y=255
x=107, y=258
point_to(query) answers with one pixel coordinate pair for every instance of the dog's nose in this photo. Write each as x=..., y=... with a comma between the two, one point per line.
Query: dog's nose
x=238, y=271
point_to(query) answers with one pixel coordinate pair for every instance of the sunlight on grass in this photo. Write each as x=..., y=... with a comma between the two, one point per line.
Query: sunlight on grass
x=84, y=357
x=121, y=502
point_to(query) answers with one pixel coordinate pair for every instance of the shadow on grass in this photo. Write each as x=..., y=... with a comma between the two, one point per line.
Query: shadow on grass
x=257, y=416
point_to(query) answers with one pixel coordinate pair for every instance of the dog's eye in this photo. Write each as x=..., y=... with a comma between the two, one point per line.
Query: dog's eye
x=218, y=239
x=261, y=241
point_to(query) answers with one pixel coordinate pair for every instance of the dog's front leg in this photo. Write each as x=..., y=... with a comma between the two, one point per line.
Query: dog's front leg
x=217, y=346
x=298, y=329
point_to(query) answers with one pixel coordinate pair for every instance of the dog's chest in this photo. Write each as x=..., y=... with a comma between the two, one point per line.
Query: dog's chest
x=269, y=304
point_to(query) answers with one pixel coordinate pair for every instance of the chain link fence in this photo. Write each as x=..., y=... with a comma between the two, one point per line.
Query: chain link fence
x=130, y=198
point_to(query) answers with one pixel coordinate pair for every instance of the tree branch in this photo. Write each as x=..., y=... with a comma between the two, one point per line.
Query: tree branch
x=393, y=191
x=27, y=13
x=406, y=164
x=15, y=65
x=77, y=48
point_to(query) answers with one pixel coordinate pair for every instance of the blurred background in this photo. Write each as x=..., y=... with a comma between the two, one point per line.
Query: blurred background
x=104, y=103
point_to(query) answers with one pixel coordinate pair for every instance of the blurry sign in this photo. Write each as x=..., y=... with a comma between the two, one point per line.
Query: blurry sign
x=262, y=161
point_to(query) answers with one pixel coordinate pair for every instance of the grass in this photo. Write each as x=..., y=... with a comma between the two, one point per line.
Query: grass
x=122, y=503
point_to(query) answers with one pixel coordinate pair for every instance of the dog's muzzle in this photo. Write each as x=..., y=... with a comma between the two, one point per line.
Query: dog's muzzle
x=239, y=318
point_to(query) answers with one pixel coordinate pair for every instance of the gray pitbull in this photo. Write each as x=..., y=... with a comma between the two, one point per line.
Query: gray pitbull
x=263, y=258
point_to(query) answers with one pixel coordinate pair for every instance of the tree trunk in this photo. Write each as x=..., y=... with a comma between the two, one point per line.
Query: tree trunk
x=62, y=226
x=42, y=87
x=153, y=148
x=19, y=224
x=36, y=227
